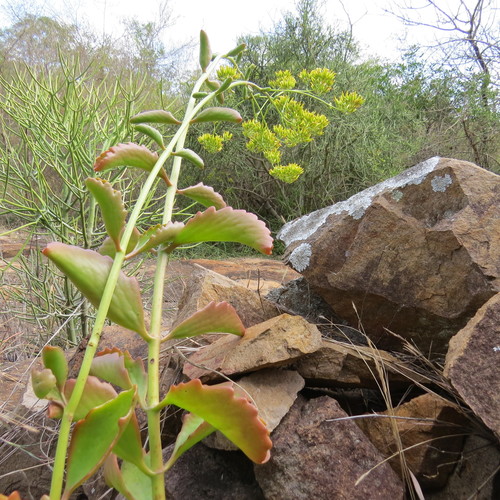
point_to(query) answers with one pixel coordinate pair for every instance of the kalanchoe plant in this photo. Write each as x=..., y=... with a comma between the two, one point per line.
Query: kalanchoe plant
x=111, y=385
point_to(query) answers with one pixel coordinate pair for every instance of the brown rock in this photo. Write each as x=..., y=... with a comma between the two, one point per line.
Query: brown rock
x=344, y=365
x=206, y=286
x=417, y=254
x=275, y=342
x=273, y=392
x=315, y=456
x=473, y=360
x=431, y=435
x=475, y=473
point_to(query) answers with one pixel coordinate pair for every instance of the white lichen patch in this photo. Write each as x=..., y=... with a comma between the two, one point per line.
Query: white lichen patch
x=441, y=183
x=300, y=229
x=496, y=348
x=397, y=194
x=300, y=257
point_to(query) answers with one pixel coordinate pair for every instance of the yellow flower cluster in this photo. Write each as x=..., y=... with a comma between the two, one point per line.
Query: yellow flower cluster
x=284, y=80
x=300, y=125
x=214, y=143
x=262, y=140
x=319, y=80
x=348, y=102
x=287, y=173
x=225, y=72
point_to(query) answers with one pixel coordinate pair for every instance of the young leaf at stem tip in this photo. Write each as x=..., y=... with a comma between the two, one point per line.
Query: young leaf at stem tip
x=205, y=51
x=218, y=115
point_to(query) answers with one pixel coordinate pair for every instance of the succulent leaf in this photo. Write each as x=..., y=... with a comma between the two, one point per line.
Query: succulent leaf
x=89, y=271
x=193, y=430
x=43, y=382
x=205, y=51
x=226, y=225
x=234, y=416
x=188, y=154
x=118, y=368
x=217, y=114
x=94, y=437
x=155, y=116
x=205, y=195
x=54, y=359
x=237, y=50
x=111, y=204
x=156, y=236
x=215, y=317
x=152, y=133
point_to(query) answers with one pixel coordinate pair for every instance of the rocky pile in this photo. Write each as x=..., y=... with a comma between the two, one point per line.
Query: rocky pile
x=377, y=370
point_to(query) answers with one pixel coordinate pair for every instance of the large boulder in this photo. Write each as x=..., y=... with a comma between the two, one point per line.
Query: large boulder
x=417, y=254
x=472, y=363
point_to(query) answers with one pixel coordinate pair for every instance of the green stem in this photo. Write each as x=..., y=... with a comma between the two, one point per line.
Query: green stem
x=154, y=344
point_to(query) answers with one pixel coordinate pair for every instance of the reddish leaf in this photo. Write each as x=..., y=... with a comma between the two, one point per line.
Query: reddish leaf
x=111, y=205
x=218, y=317
x=120, y=369
x=94, y=394
x=194, y=429
x=89, y=271
x=205, y=195
x=156, y=236
x=235, y=417
x=13, y=496
x=129, y=155
x=226, y=225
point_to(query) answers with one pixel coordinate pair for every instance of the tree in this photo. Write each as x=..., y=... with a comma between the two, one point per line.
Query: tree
x=469, y=46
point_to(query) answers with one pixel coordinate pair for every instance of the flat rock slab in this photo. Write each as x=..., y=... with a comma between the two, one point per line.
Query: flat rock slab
x=273, y=391
x=314, y=456
x=338, y=364
x=417, y=254
x=473, y=362
x=275, y=342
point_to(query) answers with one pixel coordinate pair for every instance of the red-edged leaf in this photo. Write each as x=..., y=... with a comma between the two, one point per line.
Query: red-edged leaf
x=219, y=317
x=205, y=51
x=204, y=195
x=94, y=437
x=194, y=429
x=54, y=359
x=120, y=369
x=156, y=236
x=111, y=205
x=129, y=445
x=94, y=394
x=235, y=417
x=226, y=225
x=218, y=115
x=126, y=155
x=89, y=271
x=188, y=154
x=155, y=116
x=114, y=478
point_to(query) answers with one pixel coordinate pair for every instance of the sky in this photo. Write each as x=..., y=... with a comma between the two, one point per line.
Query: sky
x=224, y=20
